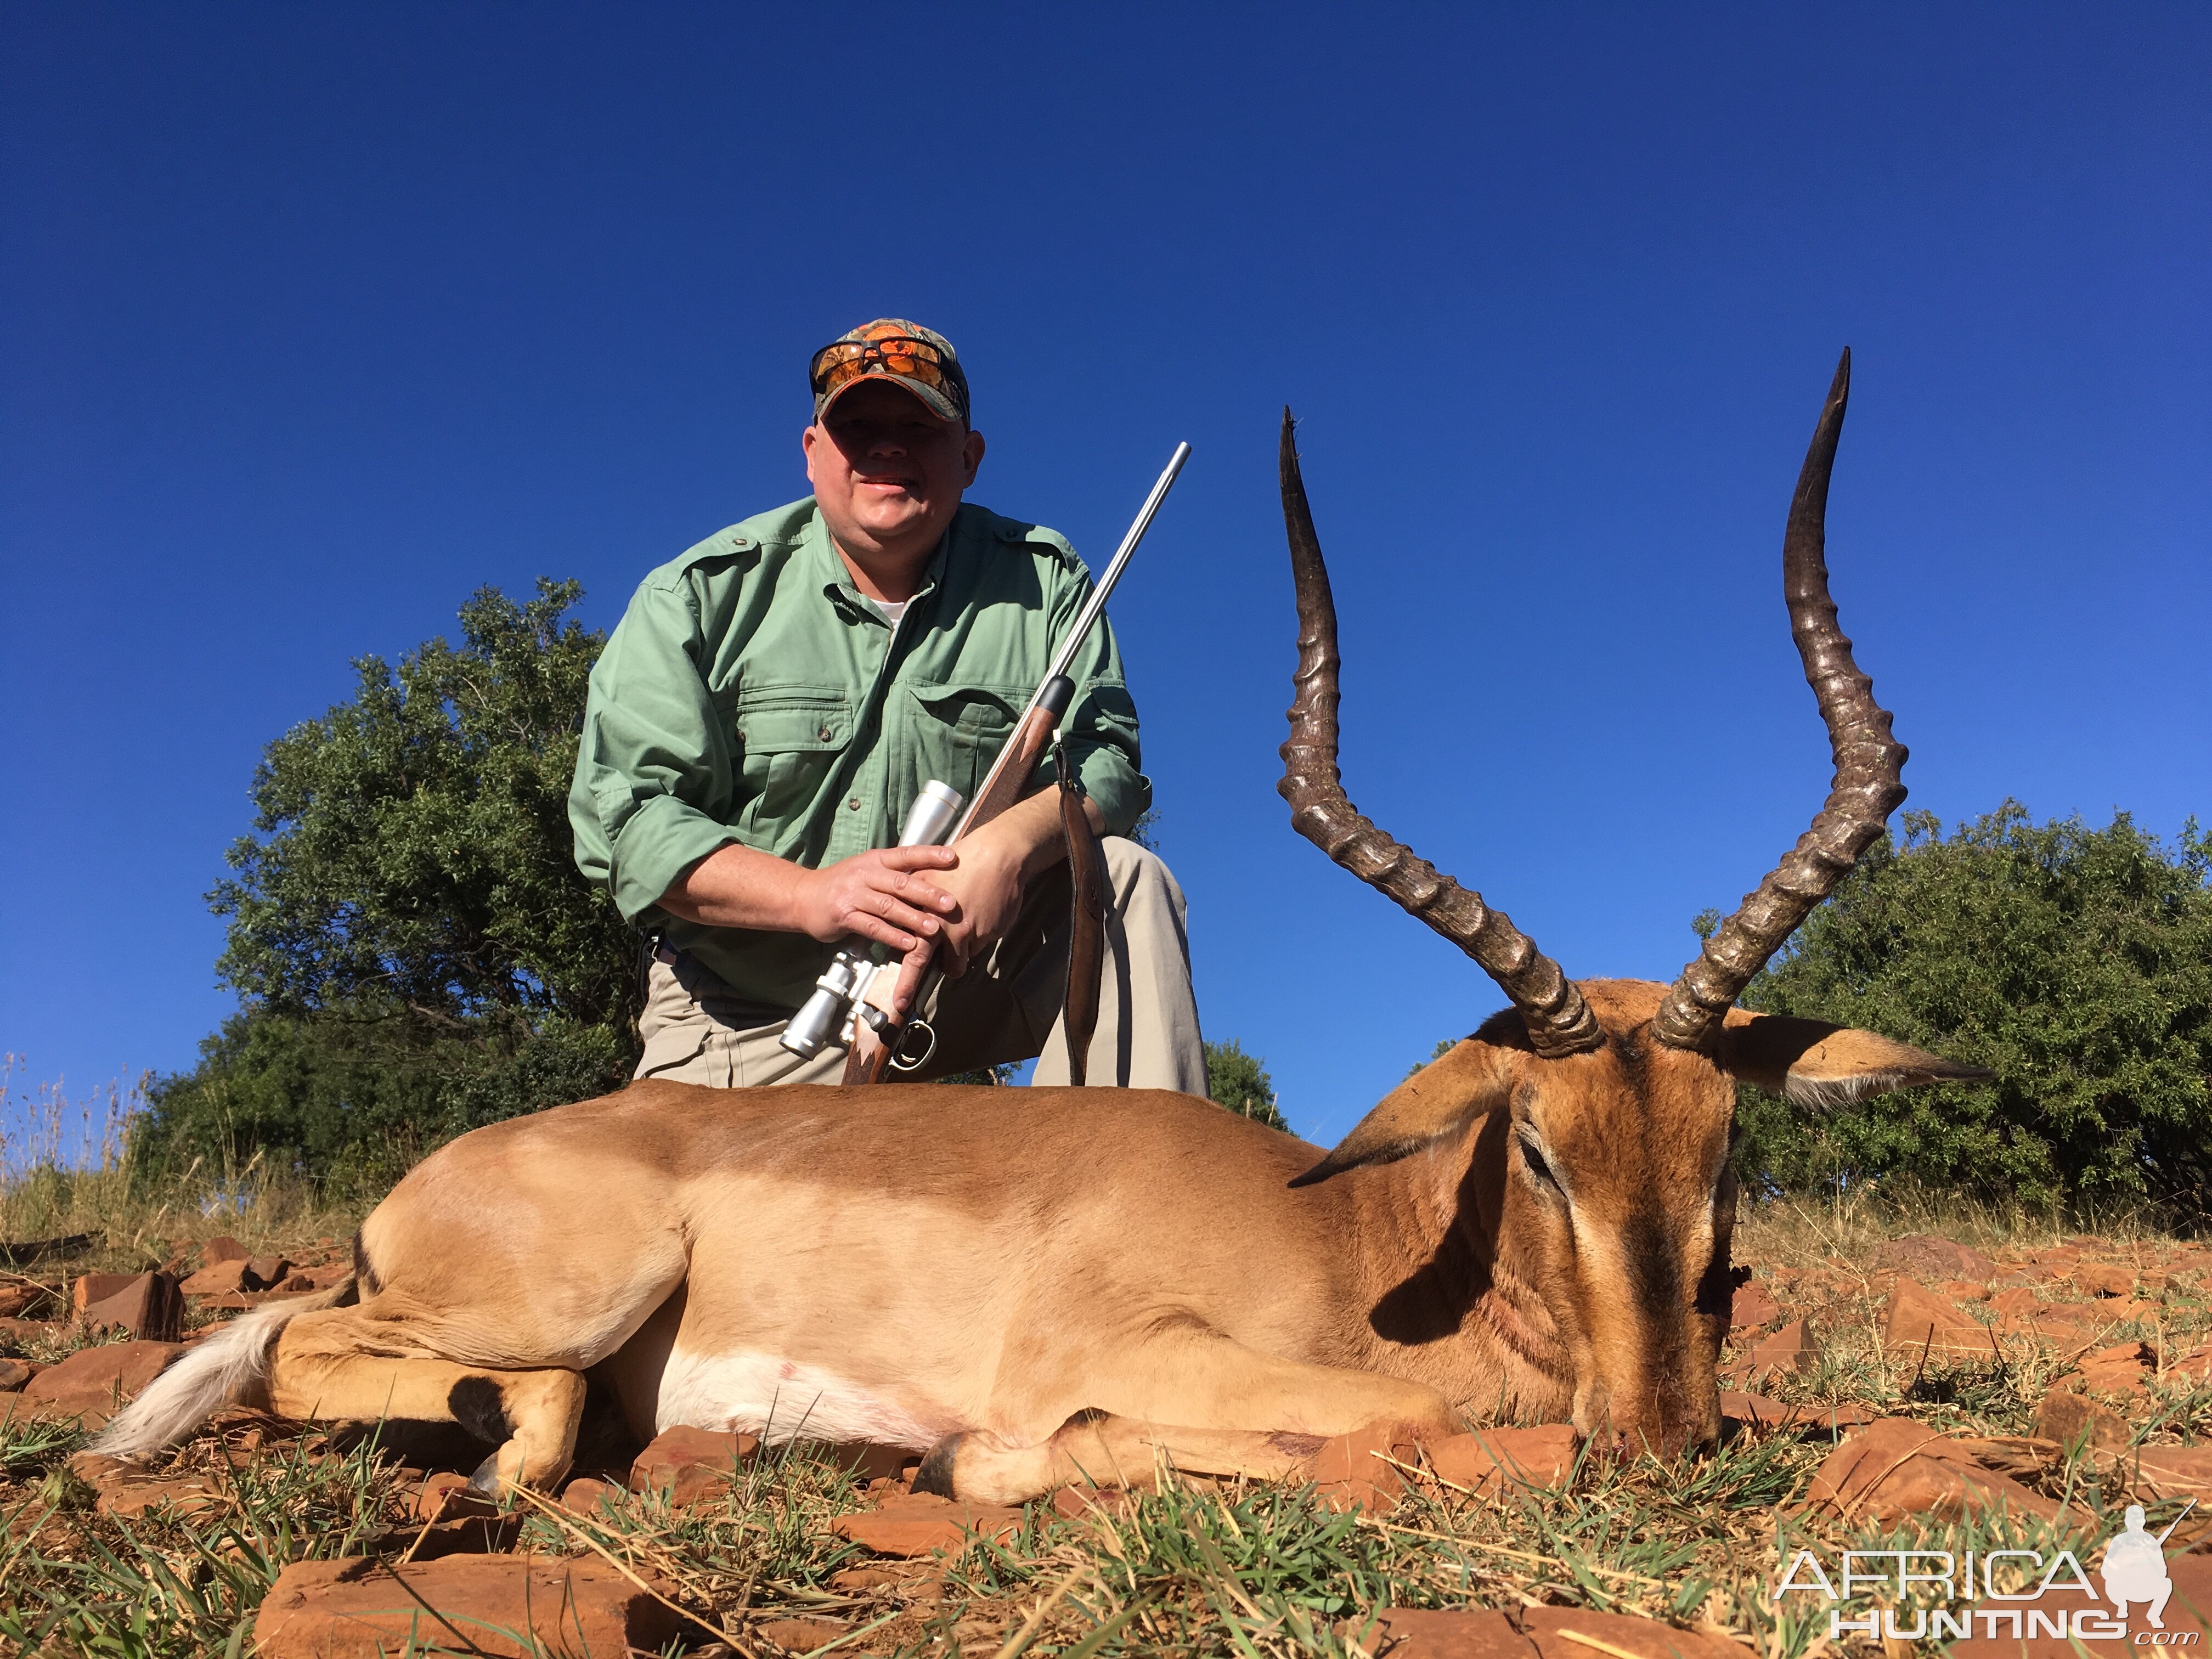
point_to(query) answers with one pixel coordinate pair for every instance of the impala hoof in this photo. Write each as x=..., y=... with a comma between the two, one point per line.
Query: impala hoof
x=484, y=1483
x=935, y=1474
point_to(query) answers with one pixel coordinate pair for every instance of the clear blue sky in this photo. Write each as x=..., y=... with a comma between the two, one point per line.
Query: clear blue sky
x=313, y=319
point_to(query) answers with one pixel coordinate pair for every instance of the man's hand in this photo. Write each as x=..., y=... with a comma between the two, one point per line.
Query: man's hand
x=890, y=895
x=995, y=863
x=887, y=894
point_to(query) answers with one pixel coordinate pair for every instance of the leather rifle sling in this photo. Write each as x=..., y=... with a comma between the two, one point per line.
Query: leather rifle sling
x=1087, y=931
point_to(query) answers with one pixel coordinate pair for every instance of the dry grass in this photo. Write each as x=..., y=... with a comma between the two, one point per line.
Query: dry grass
x=1196, y=1567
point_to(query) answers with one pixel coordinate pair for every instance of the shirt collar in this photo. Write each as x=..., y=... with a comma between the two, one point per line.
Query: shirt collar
x=837, y=581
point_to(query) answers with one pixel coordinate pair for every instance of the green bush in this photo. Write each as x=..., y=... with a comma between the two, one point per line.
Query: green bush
x=414, y=949
x=1240, y=1082
x=2075, y=964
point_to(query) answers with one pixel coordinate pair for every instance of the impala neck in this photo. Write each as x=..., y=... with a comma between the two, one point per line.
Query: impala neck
x=1451, y=1259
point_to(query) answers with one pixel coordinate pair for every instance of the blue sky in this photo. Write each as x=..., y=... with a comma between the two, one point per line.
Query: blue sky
x=313, y=320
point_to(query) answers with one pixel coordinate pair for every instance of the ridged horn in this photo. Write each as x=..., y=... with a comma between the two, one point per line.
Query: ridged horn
x=1869, y=784
x=1559, y=1022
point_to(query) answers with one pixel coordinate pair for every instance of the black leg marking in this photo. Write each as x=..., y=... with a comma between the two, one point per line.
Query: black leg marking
x=935, y=1474
x=362, y=1273
x=477, y=1406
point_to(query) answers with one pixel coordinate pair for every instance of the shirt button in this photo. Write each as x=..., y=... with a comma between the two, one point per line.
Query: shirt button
x=823, y=734
x=854, y=803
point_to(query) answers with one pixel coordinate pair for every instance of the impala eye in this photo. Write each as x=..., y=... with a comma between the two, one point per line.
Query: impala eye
x=1537, y=1166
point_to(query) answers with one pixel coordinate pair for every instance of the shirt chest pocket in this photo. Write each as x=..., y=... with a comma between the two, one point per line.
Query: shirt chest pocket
x=960, y=729
x=791, y=738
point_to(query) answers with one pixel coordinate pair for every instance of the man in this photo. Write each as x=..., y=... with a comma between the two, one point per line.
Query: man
x=773, y=701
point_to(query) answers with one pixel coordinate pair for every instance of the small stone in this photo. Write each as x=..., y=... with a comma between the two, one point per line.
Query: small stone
x=2101, y=1279
x=584, y=1496
x=446, y=1497
x=88, y=1288
x=1789, y=1350
x=687, y=1465
x=506, y=1606
x=919, y=1523
x=1424, y=1633
x=1896, y=1468
x=90, y=1384
x=1759, y=1412
x=1932, y=1256
x=1490, y=1461
x=14, y=1373
x=799, y=1635
x=863, y=1578
x=265, y=1272
x=2074, y=1419
x=2174, y=1472
x=222, y=1248
x=1555, y=1630
x=1753, y=1307
x=188, y=1498
x=867, y=1461
x=2125, y=1369
x=20, y=1298
x=321, y=1278
x=145, y=1305
x=217, y=1279
x=1357, y=1471
x=1919, y=1320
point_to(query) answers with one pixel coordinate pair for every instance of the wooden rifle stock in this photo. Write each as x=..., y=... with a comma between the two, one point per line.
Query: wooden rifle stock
x=869, y=1058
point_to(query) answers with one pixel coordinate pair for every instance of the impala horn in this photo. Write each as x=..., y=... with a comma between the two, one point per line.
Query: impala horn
x=1869, y=765
x=1559, y=1022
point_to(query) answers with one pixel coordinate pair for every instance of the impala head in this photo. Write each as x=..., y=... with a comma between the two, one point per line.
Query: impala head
x=1618, y=1096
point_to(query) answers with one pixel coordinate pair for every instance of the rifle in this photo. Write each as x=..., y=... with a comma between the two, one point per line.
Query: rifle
x=855, y=992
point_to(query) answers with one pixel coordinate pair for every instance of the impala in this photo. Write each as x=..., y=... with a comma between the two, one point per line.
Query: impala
x=1042, y=1285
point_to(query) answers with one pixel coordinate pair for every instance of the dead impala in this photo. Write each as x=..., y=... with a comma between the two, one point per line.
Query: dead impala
x=1039, y=1285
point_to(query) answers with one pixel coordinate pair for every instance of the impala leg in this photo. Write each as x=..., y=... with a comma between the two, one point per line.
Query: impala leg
x=1213, y=1406
x=1098, y=1449
x=338, y=1366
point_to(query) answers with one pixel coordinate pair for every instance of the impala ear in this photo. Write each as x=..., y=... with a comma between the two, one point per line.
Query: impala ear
x=1435, y=1102
x=1816, y=1064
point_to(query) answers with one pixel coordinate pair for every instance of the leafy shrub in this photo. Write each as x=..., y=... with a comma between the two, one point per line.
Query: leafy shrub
x=2075, y=964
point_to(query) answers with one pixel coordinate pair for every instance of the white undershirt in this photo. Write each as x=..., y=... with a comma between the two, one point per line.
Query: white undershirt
x=890, y=609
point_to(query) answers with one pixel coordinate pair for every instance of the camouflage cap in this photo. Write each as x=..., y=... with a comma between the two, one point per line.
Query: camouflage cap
x=919, y=359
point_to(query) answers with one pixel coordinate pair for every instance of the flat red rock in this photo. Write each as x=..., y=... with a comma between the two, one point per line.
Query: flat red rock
x=1528, y=1633
x=362, y=1608
x=1759, y=1411
x=1789, y=1350
x=90, y=1384
x=223, y=1277
x=1918, y=1319
x=1754, y=1306
x=1495, y=1460
x=918, y=1524
x=2174, y=1472
x=1897, y=1468
x=686, y=1465
x=146, y=1306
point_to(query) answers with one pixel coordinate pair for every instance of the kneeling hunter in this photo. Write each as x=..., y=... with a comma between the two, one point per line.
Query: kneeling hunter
x=774, y=699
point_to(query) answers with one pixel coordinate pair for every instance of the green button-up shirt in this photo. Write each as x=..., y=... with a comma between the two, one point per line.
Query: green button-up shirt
x=750, y=696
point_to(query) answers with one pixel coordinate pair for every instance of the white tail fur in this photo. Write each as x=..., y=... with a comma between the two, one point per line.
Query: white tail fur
x=223, y=1370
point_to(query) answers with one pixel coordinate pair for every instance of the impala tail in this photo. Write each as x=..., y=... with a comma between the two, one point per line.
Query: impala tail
x=230, y=1368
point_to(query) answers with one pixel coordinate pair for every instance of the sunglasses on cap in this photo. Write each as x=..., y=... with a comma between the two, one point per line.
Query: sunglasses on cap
x=838, y=365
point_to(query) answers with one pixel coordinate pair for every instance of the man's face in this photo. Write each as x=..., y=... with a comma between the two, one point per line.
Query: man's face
x=887, y=473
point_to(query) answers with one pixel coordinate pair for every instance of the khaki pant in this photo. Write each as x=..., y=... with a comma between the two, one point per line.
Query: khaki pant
x=696, y=1029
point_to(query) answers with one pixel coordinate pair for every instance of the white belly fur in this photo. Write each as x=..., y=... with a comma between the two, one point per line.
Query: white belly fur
x=779, y=1400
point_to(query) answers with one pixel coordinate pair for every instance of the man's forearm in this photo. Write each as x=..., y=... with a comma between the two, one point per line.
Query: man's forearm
x=1033, y=832
x=740, y=887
